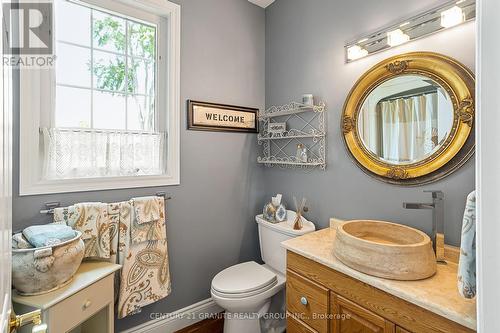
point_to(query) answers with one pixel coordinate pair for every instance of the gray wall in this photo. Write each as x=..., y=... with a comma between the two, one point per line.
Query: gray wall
x=211, y=216
x=304, y=54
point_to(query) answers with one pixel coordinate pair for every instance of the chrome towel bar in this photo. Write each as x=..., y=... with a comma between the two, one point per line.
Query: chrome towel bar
x=51, y=205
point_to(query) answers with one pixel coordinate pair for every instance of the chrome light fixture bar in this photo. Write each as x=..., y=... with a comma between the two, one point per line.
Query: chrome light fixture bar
x=436, y=19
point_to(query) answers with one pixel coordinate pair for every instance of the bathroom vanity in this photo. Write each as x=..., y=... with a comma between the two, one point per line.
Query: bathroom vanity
x=324, y=295
x=85, y=304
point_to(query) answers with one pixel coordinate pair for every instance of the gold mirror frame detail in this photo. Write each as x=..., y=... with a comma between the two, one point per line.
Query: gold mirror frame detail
x=398, y=66
x=459, y=83
x=466, y=111
x=348, y=124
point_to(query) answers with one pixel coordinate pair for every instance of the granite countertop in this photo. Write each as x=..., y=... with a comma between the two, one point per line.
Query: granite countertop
x=438, y=294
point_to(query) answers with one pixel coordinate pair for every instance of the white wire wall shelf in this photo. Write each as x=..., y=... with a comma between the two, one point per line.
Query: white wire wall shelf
x=292, y=134
x=289, y=109
x=305, y=126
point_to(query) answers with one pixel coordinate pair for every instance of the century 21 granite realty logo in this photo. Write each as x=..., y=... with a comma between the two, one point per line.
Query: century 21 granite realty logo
x=30, y=42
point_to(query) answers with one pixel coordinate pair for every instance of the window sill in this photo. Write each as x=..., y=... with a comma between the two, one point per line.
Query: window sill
x=96, y=184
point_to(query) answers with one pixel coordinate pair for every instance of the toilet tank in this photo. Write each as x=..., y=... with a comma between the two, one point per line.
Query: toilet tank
x=272, y=234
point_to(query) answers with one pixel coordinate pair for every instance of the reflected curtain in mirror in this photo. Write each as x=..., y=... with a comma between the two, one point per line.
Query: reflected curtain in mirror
x=407, y=128
x=403, y=130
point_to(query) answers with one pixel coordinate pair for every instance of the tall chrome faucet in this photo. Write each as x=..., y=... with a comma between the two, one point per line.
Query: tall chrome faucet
x=437, y=207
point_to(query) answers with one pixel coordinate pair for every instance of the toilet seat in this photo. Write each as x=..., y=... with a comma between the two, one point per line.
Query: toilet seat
x=243, y=280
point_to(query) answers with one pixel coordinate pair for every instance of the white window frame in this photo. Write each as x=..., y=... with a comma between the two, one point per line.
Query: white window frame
x=37, y=88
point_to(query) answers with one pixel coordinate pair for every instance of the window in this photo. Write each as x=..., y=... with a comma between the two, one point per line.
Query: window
x=108, y=114
x=106, y=67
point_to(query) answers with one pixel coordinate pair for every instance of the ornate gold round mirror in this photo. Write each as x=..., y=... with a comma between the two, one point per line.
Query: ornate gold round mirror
x=409, y=120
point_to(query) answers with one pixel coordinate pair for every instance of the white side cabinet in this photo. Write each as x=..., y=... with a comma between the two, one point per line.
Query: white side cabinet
x=85, y=305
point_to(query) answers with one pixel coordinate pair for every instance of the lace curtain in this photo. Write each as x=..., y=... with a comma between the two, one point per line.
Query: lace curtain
x=86, y=153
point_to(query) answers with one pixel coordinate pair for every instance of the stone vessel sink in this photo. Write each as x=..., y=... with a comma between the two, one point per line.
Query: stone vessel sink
x=384, y=249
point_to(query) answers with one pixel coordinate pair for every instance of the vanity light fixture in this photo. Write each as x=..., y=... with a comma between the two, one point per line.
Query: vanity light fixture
x=355, y=52
x=436, y=19
x=452, y=17
x=397, y=37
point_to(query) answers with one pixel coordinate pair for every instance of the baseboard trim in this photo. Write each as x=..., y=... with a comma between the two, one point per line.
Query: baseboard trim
x=179, y=319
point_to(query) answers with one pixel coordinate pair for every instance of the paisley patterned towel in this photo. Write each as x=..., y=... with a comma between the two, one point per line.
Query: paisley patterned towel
x=467, y=263
x=148, y=222
x=113, y=233
x=118, y=232
x=145, y=276
x=146, y=209
x=91, y=218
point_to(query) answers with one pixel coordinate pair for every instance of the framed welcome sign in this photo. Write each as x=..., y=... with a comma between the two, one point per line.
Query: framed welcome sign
x=205, y=116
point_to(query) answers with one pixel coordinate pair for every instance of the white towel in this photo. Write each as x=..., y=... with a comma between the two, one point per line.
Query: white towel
x=467, y=263
x=20, y=242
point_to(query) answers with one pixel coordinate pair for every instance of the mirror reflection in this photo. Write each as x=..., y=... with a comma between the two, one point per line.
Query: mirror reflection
x=405, y=119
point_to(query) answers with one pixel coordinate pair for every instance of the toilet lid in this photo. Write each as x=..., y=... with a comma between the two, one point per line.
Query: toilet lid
x=243, y=278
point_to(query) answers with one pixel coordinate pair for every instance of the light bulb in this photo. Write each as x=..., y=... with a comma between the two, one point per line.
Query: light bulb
x=397, y=37
x=452, y=17
x=355, y=52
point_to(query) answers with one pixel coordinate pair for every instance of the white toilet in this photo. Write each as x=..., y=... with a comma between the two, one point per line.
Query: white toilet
x=245, y=290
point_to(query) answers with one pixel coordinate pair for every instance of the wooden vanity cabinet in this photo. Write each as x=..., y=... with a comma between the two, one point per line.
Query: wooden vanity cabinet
x=307, y=301
x=322, y=300
x=350, y=317
x=295, y=325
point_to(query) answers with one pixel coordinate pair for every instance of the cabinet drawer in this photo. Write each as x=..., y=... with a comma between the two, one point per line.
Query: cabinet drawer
x=295, y=326
x=307, y=301
x=351, y=317
x=72, y=311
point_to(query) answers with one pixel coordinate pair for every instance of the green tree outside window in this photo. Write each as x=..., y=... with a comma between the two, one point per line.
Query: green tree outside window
x=120, y=76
